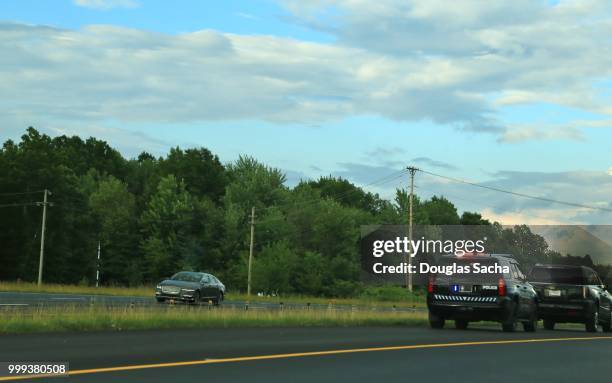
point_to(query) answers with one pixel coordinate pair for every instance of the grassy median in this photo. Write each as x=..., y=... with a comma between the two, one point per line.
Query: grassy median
x=97, y=318
x=415, y=300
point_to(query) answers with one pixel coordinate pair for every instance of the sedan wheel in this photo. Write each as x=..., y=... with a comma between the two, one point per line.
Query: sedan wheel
x=196, y=298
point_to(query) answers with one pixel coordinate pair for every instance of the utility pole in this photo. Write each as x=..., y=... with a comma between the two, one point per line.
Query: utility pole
x=251, y=251
x=412, y=171
x=42, y=237
x=98, y=267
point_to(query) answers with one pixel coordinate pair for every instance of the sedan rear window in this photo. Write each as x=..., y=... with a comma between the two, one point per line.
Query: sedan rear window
x=568, y=276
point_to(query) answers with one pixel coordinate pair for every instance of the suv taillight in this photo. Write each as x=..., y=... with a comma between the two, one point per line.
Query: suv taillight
x=501, y=287
x=430, y=284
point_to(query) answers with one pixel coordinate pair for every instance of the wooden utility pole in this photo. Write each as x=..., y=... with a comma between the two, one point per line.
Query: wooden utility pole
x=251, y=251
x=412, y=171
x=42, y=237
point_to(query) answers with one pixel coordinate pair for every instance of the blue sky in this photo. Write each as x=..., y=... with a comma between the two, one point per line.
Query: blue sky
x=511, y=94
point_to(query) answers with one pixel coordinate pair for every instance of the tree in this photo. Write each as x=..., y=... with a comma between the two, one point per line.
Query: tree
x=440, y=211
x=347, y=194
x=402, y=208
x=114, y=208
x=166, y=224
x=469, y=218
x=202, y=172
x=274, y=269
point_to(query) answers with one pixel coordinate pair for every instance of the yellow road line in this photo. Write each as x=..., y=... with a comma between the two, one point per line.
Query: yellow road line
x=305, y=354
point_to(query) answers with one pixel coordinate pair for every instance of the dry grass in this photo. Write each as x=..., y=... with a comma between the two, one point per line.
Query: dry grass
x=147, y=291
x=94, y=318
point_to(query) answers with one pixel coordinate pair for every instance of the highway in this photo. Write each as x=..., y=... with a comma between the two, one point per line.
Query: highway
x=480, y=354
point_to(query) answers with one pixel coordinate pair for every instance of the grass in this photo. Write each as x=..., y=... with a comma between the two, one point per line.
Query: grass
x=96, y=318
x=27, y=287
x=404, y=301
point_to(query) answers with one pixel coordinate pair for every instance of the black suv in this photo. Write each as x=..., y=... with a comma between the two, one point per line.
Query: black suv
x=572, y=294
x=493, y=296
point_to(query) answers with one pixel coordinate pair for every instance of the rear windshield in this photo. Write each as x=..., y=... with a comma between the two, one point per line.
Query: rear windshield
x=568, y=276
x=187, y=277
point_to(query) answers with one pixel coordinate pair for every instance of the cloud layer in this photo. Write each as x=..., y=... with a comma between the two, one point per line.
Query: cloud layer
x=454, y=64
x=106, y=4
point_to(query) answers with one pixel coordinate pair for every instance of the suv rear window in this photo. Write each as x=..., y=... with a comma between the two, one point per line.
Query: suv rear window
x=568, y=276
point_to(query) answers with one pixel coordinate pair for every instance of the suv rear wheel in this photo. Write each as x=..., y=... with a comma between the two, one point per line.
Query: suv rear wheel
x=530, y=326
x=435, y=321
x=607, y=326
x=461, y=324
x=509, y=326
x=549, y=324
x=592, y=321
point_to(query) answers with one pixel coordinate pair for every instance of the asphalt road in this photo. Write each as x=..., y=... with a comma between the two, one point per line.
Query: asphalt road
x=482, y=354
x=13, y=300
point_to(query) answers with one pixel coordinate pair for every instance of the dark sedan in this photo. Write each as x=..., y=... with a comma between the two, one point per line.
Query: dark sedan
x=190, y=287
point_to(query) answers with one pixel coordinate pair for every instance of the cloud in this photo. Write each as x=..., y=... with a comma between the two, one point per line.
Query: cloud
x=588, y=188
x=386, y=152
x=518, y=52
x=382, y=179
x=106, y=4
x=583, y=187
x=521, y=133
x=434, y=163
x=453, y=64
x=130, y=143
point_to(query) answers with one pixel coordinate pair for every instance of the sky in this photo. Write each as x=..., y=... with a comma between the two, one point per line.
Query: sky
x=514, y=95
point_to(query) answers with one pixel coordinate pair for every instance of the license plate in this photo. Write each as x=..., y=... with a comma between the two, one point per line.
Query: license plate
x=466, y=289
x=171, y=290
x=461, y=288
x=553, y=293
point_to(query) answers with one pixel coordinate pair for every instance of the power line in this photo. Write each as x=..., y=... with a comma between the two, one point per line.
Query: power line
x=517, y=194
x=22, y=193
x=20, y=204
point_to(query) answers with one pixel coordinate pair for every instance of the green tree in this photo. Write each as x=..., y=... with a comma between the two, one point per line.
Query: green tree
x=440, y=211
x=166, y=226
x=114, y=208
x=202, y=172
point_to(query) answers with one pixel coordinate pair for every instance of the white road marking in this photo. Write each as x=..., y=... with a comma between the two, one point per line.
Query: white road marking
x=69, y=299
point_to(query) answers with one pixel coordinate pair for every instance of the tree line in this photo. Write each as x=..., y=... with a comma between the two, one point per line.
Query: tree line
x=187, y=210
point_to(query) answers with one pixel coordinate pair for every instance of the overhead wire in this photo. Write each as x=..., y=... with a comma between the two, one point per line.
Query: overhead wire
x=517, y=194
